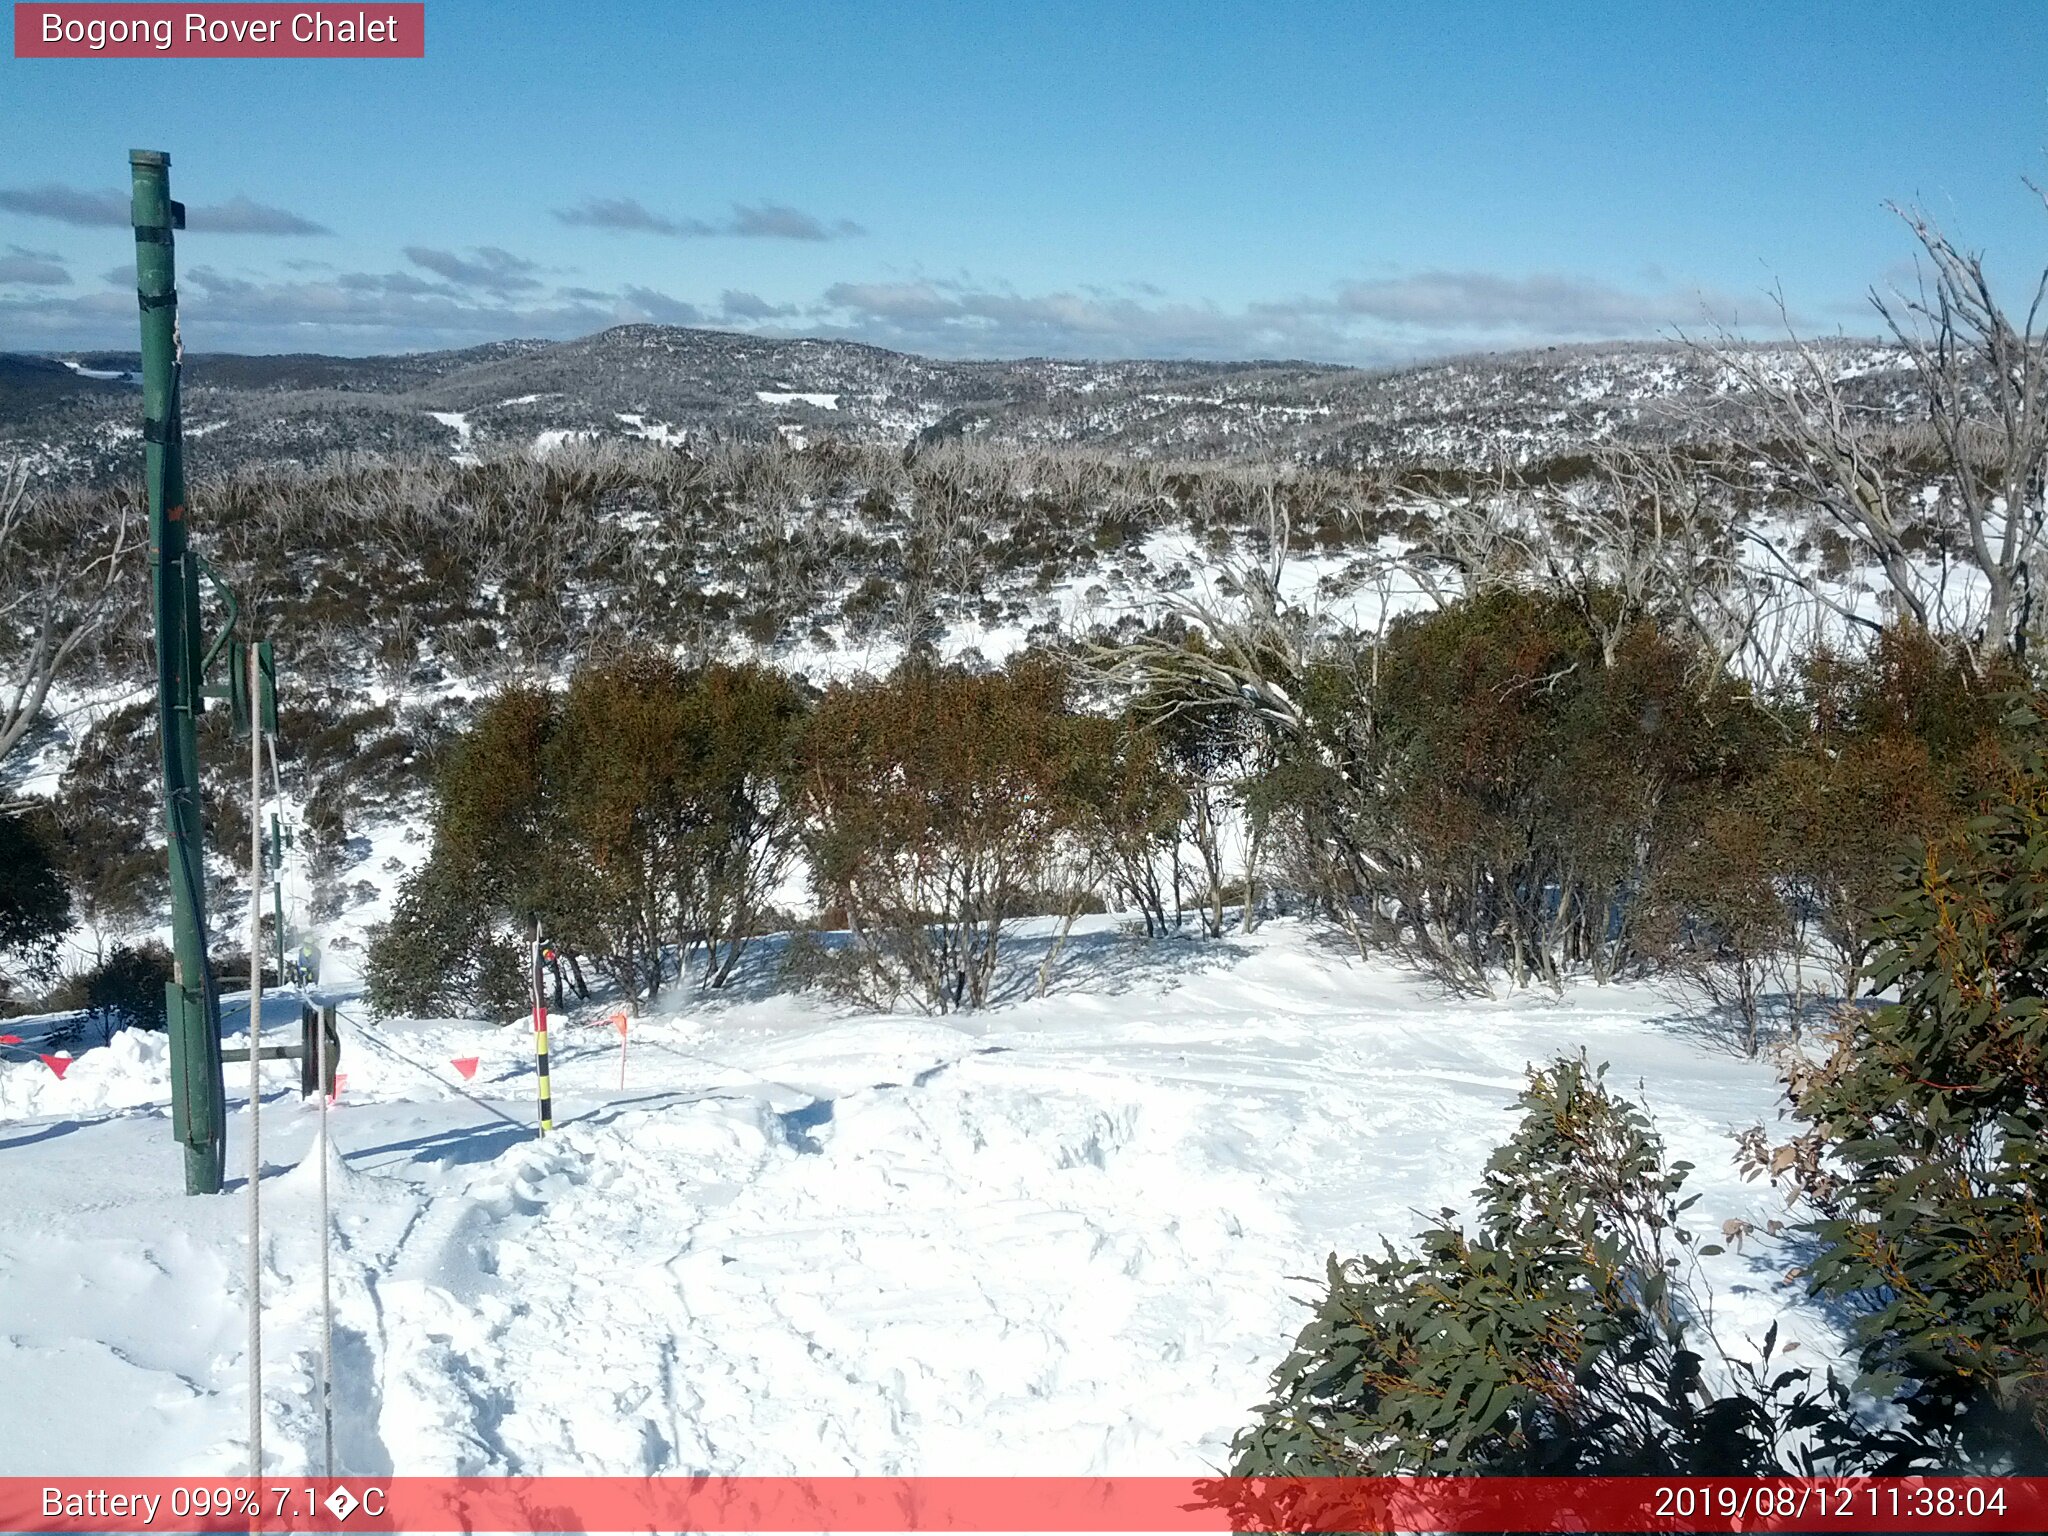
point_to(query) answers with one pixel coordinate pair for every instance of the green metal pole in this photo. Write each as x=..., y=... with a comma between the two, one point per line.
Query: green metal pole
x=198, y=1095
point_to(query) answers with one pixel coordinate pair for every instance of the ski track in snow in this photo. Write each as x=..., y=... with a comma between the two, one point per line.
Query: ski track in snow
x=1059, y=1237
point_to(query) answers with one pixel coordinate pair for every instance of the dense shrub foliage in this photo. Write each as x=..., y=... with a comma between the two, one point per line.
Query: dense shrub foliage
x=35, y=907
x=933, y=804
x=1494, y=789
x=1515, y=787
x=1562, y=1334
x=1771, y=900
x=126, y=990
x=642, y=812
x=649, y=811
x=1923, y=1152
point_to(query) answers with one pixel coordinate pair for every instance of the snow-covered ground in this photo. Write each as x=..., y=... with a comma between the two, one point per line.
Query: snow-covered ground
x=823, y=402
x=458, y=423
x=1062, y=1236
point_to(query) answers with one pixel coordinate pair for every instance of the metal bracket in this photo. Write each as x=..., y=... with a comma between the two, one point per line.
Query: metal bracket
x=227, y=596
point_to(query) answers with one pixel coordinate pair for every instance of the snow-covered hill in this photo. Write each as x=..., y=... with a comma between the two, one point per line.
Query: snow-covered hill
x=669, y=382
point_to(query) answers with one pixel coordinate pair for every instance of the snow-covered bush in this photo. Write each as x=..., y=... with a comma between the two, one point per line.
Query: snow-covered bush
x=1565, y=1334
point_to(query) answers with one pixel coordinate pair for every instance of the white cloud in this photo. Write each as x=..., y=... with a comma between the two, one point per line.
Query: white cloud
x=749, y=221
x=239, y=215
x=42, y=269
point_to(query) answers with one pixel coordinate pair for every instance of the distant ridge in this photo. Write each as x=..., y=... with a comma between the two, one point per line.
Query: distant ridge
x=670, y=382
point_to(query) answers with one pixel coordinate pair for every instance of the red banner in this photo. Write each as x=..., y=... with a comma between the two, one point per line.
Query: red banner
x=235, y=31
x=1045, y=1504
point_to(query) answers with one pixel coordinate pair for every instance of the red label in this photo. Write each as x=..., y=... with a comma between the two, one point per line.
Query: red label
x=68, y=31
x=1222, y=1506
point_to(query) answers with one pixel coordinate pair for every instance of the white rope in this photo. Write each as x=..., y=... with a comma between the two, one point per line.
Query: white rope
x=326, y=1287
x=255, y=1070
x=325, y=1146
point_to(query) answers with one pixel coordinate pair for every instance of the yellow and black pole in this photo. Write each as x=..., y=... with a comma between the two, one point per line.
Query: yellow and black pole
x=540, y=1038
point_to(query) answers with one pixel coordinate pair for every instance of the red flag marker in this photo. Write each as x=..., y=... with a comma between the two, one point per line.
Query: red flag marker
x=340, y=1082
x=10, y=1039
x=466, y=1065
x=58, y=1064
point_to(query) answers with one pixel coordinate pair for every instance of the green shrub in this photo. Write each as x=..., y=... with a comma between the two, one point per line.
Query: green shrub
x=126, y=990
x=441, y=953
x=35, y=907
x=1493, y=786
x=1924, y=1149
x=644, y=810
x=929, y=805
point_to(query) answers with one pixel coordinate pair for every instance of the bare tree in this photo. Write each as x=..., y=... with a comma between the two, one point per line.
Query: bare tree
x=59, y=593
x=1481, y=541
x=1980, y=378
x=1645, y=534
x=1984, y=381
x=1256, y=644
x=1237, y=680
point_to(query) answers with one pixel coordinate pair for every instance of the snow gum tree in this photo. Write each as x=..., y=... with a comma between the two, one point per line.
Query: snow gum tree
x=1954, y=514
x=929, y=803
x=63, y=589
x=643, y=810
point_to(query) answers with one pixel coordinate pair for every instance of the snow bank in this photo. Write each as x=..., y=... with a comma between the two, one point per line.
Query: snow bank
x=132, y=1071
x=822, y=402
x=1057, y=1237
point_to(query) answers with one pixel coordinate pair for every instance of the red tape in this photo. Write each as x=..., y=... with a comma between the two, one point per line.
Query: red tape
x=1046, y=1504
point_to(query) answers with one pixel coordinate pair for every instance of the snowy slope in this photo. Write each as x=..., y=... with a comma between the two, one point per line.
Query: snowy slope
x=1059, y=1237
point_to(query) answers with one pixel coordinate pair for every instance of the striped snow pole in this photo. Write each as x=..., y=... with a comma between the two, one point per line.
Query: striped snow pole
x=540, y=1039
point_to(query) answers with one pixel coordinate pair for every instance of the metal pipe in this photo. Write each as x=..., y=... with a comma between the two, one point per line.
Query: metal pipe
x=192, y=1007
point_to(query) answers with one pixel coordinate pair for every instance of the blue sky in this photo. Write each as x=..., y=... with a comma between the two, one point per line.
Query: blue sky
x=1351, y=182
